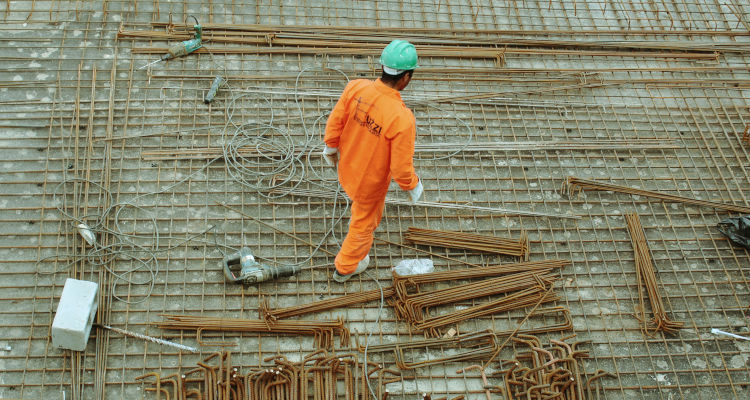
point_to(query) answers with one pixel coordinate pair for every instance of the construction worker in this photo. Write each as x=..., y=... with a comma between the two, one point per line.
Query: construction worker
x=371, y=134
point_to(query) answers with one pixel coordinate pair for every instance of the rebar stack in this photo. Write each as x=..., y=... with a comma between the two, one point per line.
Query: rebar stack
x=206, y=381
x=411, y=307
x=554, y=372
x=320, y=376
x=520, y=289
x=564, y=325
x=470, y=241
x=323, y=331
x=402, y=283
x=306, y=308
x=475, y=346
x=538, y=294
x=644, y=267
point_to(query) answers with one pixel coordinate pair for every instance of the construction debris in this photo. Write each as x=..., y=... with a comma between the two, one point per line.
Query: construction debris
x=306, y=308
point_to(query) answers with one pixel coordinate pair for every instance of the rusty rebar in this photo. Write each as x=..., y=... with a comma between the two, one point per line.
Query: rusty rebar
x=573, y=185
x=470, y=241
x=646, y=276
x=322, y=330
x=521, y=289
x=341, y=301
x=546, y=375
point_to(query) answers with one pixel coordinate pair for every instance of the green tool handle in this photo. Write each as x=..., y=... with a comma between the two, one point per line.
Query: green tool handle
x=186, y=47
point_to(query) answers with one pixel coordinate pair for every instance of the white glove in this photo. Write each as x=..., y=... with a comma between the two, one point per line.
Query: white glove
x=416, y=193
x=331, y=155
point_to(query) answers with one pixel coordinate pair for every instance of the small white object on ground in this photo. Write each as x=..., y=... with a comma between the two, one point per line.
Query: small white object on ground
x=75, y=314
x=416, y=193
x=87, y=234
x=414, y=266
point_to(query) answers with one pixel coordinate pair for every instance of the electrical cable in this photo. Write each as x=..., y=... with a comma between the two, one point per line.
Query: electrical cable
x=141, y=248
x=278, y=170
x=138, y=248
x=281, y=164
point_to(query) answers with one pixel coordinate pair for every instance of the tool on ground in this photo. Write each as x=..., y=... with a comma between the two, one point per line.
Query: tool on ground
x=182, y=48
x=250, y=271
x=218, y=82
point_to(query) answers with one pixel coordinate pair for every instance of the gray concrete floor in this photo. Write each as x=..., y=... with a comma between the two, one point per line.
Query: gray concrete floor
x=83, y=128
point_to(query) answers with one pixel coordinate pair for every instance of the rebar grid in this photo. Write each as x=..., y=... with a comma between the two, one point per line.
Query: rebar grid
x=65, y=120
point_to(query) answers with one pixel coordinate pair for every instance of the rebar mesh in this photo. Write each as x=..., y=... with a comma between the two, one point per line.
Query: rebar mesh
x=76, y=107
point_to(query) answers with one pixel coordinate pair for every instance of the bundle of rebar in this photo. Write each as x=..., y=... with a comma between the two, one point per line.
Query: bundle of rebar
x=470, y=241
x=646, y=275
x=402, y=283
x=323, y=331
x=520, y=289
x=410, y=307
x=573, y=185
x=476, y=346
x=319, y=376
x=269, y=314
x=512, y=301
x=565, y=324
x=353, y=40
x=554, y=372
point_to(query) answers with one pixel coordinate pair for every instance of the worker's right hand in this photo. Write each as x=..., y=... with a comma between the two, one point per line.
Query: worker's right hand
x=416, y=193
x=331, y=155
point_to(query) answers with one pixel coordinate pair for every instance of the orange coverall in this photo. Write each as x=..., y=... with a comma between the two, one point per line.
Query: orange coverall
x=374, y=132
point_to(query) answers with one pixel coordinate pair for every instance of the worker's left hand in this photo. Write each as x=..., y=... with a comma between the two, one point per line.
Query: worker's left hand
x=416, y=193
x=331, y=155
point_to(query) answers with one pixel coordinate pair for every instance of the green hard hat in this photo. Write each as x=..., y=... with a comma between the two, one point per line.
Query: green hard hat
x=399, y=55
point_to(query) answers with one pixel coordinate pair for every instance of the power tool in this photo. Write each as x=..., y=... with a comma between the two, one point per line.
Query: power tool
x=250, y=270
x=183, y=48
x=218, y=82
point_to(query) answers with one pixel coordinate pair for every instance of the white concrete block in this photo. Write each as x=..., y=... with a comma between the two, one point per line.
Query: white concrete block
x=75, y=314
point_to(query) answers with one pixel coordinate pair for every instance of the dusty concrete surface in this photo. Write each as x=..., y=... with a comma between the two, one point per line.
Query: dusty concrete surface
x=87, y=137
